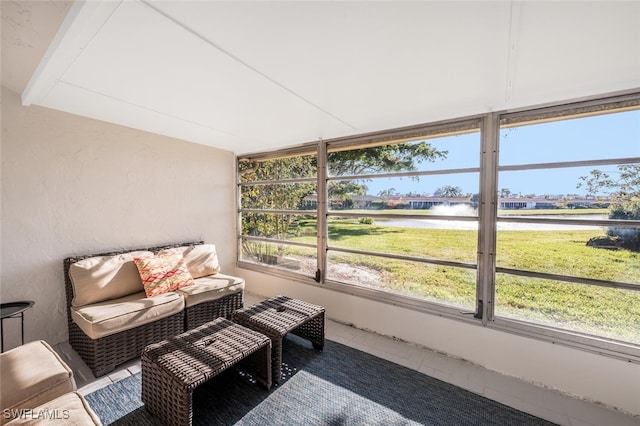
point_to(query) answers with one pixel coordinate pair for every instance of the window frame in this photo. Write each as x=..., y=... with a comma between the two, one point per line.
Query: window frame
x=489, y=126
x=585, y=341
x=301, y=150
x=406, y=134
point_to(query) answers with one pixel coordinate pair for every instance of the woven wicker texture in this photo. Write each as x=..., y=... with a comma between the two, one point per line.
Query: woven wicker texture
x=105, y=354
x=280, y=315
x=202, y=313
x=173, y=368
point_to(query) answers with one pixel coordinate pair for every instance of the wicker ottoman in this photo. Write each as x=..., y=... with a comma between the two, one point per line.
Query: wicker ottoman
x=280, y=315
x=174, y=368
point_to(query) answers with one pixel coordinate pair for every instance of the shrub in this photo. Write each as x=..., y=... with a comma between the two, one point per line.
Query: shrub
x=626, y=211
x=366, y=221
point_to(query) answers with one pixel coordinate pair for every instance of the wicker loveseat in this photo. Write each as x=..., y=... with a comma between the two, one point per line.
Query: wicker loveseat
x=110, y=317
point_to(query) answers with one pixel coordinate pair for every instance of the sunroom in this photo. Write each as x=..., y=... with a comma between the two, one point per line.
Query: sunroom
x=457, y=177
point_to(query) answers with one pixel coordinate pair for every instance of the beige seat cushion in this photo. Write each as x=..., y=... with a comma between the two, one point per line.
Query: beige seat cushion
x=68, y=409
x=113, y=316
x=211, y=287
x=32, y=374
x=101, y=278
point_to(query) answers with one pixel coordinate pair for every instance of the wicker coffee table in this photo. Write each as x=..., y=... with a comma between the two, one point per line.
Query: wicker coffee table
x=174, y=368
x=278, y=316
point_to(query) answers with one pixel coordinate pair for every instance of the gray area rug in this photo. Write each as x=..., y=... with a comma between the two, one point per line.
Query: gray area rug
x=338, y=386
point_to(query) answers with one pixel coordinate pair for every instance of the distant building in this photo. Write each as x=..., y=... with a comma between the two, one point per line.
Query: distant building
x=421, y=202
x=428, y=202
x=551, y=203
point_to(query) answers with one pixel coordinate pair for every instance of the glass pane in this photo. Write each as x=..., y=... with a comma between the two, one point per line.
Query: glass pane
x=291, y=196
x=453, y=194
x=281, y=168
x=445, y=240
x=442, y=284
x=449, y=152
x=302, y=228
x=281, y=256
x=606, y=312
x=614, y=135
x=578, y=251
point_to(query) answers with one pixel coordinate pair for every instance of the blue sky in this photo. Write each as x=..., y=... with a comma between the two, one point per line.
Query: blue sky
x=589, y=138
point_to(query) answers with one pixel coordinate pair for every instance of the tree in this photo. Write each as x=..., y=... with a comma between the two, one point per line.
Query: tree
x=505, y=193
x=624, y=191
x=401, y=157
x=386, y=158
x=343, y=190
x=385, y=194
x=275, y=195
x=448, y=191
x=475, y=200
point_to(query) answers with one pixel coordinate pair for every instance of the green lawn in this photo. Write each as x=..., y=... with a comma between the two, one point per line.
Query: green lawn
x=604, y=311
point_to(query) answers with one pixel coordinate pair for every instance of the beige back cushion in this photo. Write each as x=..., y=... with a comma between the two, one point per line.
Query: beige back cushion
x=201, y=259
x=100, y=278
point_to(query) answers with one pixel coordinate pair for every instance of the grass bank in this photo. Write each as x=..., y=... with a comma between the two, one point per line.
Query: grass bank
x=605, y=311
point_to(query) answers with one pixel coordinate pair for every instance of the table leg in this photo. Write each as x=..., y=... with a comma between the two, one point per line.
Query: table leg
x=276, y=358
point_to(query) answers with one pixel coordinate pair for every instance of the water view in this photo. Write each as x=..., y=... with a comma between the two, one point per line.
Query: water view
x=501, y=226
x=463, y=210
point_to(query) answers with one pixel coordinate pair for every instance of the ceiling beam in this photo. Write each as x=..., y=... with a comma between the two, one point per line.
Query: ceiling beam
x=83, y=22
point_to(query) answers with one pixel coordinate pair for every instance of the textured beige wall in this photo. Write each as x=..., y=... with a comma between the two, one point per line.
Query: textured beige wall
x=72, y=185
x=27, y=29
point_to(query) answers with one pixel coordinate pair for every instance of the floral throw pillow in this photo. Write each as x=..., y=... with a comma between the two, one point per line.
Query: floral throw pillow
x=163, y=273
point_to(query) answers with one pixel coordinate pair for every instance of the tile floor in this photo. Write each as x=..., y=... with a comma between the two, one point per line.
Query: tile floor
x=545, y=403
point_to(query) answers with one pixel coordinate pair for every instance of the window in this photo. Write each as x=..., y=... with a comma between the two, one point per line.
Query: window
x=525, y=221
x=402, y=215
x=278, y=215
x=568, y=226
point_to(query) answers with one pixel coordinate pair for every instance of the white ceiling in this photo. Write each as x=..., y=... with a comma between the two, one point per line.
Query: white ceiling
x=250, y=76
